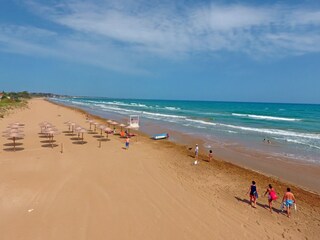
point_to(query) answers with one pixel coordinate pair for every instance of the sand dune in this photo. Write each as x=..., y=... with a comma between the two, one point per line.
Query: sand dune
x=150, y=191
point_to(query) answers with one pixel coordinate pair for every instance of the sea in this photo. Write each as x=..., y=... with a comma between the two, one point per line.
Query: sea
x=281, y=130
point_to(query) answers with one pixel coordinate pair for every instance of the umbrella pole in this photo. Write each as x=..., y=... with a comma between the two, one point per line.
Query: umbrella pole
x=52, y=141
x=14, y=144
x=82, y=139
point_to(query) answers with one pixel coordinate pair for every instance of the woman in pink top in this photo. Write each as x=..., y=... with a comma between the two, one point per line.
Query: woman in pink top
x=271, y=195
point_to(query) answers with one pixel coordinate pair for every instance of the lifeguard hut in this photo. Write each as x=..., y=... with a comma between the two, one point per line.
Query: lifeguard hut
x=134, y=121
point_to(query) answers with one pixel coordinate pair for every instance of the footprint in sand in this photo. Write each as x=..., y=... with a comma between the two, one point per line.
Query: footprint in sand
x=243, y=225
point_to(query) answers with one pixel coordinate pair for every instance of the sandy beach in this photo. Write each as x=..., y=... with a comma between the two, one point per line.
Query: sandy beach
x=151, y=191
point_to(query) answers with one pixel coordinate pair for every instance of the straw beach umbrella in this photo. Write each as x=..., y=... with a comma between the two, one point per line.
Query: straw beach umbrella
x=95, y=126
x=114, y=123
x=51, y=133
x=90, y=121
x=82, y=131
x=14, y=136
x=121, y=126
x=12, y=130
x=16, y=124
x=107, y=130
x=102, y=127
x=68, y=123
x=73, y=124
x=109, y=122
x=77, y=130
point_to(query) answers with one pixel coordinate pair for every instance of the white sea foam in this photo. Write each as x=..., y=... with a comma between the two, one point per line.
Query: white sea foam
x=229, y=131
x=271, y=118
x=172, y=108
x=201, y=122
x=305, y=142
x=138, y=105
x=163, y=115
x=275, y=132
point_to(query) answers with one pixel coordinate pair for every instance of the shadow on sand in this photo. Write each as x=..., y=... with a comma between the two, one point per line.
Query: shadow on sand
x=70, y=134
x=43, y=136
x=49, y=145
x=75, y=138
x=80, y=142
x=104, y=140
x=265, y=206
x=97, y=136
x=48, y=141
x=92, y=132
x=13, y=150
x=11, y=144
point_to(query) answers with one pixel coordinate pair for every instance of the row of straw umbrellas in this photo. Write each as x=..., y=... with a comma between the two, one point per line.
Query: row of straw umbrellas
x=74, y=128
x=94, y=127
x=48, y=130
x=14, y=132
x=106, y=128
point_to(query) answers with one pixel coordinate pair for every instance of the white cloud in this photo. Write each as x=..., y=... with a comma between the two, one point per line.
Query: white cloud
x=121, y=34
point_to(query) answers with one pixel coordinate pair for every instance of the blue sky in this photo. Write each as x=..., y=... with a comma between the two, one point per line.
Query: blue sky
x=197, y=50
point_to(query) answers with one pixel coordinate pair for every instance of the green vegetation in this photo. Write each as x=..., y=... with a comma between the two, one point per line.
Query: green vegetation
x=11, y=100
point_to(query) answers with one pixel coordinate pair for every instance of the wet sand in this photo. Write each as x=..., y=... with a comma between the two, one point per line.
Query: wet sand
x=151, y=191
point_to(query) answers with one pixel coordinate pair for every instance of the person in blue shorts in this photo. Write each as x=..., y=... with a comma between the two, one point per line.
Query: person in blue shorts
x=127, y=142
x=288, y=200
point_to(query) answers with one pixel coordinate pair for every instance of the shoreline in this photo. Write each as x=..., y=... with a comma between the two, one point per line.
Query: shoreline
x=269, y=166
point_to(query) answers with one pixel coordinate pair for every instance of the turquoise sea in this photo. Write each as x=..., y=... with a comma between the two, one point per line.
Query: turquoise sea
x=294, y=129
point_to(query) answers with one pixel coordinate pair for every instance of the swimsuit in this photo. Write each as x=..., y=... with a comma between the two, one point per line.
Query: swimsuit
x=289, y=202
x=253, y=191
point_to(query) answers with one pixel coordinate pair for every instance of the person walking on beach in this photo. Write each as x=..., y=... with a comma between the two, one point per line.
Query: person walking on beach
x=288, y=200
x=196, y=154
x=253, y=194
x=127, y=142
x=210, y=155
x=271, y=196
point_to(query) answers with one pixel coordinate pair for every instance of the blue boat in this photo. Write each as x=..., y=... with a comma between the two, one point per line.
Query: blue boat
x=160, y=136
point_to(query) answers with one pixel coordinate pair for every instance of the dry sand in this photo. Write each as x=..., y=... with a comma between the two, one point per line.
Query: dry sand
x=150, y=191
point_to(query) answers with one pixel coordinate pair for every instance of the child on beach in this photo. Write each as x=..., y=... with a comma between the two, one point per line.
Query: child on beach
x=127, y=142
x=288, y=200
x=271, y=196
x=210, y=155
x=253, y=194
x=196, y=154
